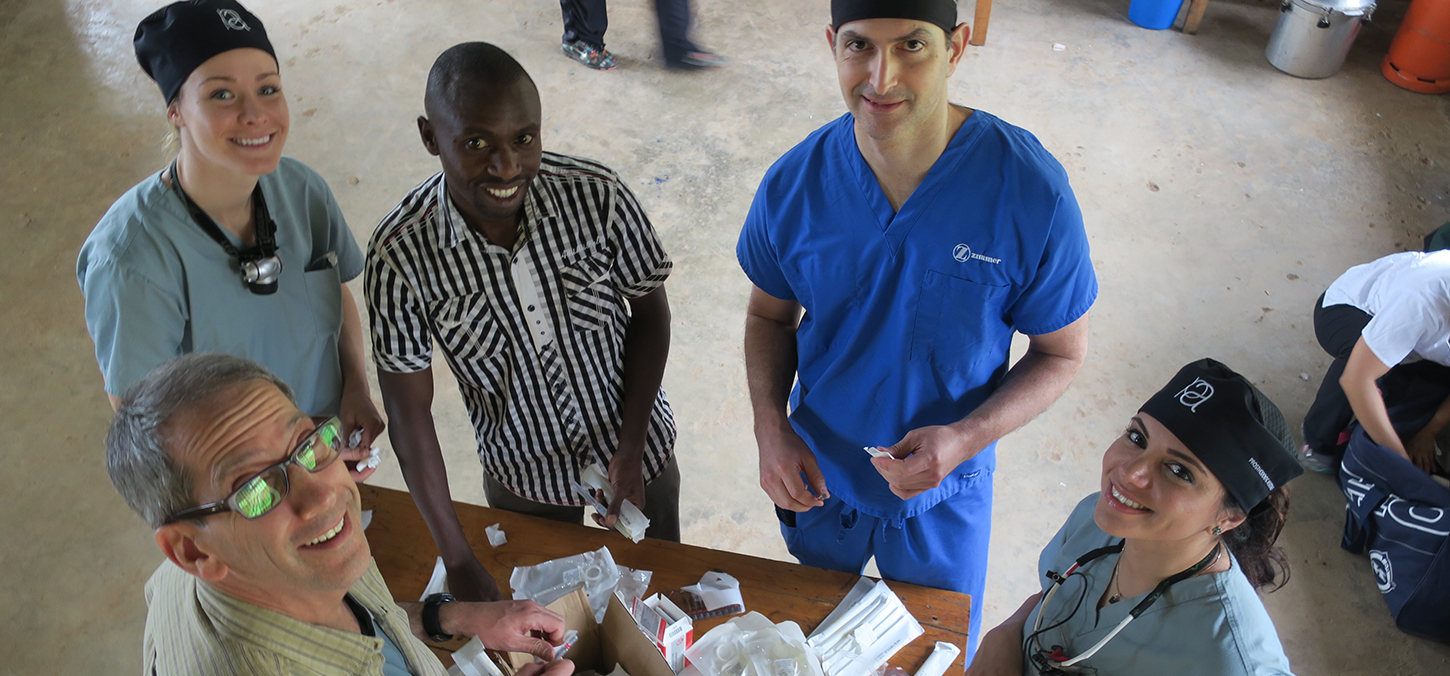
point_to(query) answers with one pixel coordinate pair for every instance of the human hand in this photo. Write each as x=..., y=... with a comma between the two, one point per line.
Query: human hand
x=358, y=413
x=784, y=457
x=350, y=458
x=470, y=581
x=626, y=480
x=1000, y=652
x=1421, y=451
x=508, y=626
x=923, y=458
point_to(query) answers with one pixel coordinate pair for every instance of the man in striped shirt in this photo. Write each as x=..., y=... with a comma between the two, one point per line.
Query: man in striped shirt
x=268, y=571
x=542, y=281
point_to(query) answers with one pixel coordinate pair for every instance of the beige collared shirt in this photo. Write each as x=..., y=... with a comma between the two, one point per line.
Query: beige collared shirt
x=194, y=630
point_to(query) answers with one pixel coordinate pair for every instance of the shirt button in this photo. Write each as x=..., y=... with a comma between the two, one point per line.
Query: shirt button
x=531, y=308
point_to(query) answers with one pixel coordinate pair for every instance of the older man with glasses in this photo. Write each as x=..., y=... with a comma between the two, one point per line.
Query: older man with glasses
x=267, y=569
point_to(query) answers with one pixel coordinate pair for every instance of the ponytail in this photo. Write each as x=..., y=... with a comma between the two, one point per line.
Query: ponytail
x=1252, y=542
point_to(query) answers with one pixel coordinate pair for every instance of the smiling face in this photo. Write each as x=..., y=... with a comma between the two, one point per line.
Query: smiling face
x=1154, y=488
x=893, y=72
x=231, y=114
x=312, y=542
x=488, y=141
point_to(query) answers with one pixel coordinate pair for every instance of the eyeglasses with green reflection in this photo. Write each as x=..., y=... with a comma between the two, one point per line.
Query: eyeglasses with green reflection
x=264, y=491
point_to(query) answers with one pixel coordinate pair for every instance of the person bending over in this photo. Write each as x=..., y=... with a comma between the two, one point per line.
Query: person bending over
x=1377, y=316
x=894, y=253
x=267, y=569
x=233, y=247
x=1157, y=573
x=542, y=282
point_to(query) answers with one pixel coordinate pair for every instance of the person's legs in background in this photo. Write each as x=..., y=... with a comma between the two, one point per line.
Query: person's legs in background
x=680, y=52
x=585, y=22
x=1338, y=328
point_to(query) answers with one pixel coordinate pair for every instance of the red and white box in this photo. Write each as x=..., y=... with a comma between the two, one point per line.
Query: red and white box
x=669, y=627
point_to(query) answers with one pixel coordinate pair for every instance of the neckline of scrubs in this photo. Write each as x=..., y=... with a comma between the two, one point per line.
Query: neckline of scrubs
x=896, y=224
x=1108, y=617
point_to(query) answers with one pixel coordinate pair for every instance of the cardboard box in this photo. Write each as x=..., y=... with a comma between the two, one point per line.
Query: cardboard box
x=601, y=646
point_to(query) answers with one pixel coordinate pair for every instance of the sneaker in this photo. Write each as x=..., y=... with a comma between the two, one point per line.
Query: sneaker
x=1316, y=462
x=597, y=58
x=699, y=61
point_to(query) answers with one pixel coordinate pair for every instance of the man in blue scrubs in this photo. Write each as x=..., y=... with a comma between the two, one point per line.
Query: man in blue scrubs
x=894, y=252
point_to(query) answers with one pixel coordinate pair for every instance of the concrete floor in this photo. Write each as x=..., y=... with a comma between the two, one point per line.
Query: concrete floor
x=1221, y=198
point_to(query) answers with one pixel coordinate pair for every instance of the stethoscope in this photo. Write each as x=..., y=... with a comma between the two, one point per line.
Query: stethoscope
x=260, y=265
x=1055, y=661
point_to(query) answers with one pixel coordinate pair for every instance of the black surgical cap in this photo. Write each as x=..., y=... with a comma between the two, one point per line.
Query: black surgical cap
x=1231, y=427
x=940, y=12
x=177, y=38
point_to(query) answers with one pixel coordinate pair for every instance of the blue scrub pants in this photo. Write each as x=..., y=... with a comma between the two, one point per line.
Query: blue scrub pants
x=944, y=547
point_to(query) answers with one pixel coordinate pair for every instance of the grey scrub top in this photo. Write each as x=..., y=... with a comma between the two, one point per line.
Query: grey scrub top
x=157, y=287
x=1209, y=625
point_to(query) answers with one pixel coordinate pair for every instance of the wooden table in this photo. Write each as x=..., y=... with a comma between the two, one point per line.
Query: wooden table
x=781, y=591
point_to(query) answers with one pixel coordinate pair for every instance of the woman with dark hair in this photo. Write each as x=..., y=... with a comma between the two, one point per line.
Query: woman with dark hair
x=1158, y=573
x=233, y=248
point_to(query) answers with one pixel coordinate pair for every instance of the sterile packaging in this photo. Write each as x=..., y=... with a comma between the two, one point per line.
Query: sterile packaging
x=438, y=583
x=375, y=458
x=632, y=522
x=594, y=572
x=866, y=629
x=570, y=638
x=750, y=645
x=939, y=660
x=669, y=627
x=632, y=586
x=496, y=537
x=714, y=595
x=472, y=660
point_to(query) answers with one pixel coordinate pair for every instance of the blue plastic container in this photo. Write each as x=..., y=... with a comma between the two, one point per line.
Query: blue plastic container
x=1154, y=14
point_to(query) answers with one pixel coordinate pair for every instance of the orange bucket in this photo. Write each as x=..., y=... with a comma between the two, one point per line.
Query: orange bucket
x=1419, y=58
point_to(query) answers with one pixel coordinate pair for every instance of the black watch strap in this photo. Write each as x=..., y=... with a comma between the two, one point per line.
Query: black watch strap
x=431, y=626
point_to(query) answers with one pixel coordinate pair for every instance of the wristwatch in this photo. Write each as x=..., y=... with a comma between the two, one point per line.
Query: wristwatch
x=431, y=626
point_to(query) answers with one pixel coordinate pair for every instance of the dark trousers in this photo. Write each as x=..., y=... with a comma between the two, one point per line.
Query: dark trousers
x=661, y=504
x=1337, y=328
x=587, y=20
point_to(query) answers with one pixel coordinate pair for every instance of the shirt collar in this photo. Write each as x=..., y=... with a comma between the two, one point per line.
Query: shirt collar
x=452, y=228
x=319, y=649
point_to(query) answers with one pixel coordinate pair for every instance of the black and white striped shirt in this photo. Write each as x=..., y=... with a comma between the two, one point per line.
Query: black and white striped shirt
x=535, y=336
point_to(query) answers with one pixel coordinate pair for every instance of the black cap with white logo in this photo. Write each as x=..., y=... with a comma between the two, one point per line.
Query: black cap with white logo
x=177, y=38
x=1232, y=428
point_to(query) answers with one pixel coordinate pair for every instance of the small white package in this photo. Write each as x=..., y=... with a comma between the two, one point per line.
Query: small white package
x=866, y=629
x=438, y=583
x=472, y=660
x=496, y=537
x=718, y=590
x=632, y=522
x=669, y=627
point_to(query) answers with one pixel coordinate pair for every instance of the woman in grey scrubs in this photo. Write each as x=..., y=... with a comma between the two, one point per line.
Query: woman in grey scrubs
x=1158, y=573
x=232, y=248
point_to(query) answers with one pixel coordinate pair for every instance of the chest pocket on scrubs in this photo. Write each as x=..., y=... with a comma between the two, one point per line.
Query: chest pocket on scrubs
x=466, y=328
x=957, y=321
x=592, y=303
x=324, y=288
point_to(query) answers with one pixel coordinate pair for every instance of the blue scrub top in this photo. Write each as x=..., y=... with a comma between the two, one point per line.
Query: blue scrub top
x=1209, y=625
x=157, y=287
x=909, y=315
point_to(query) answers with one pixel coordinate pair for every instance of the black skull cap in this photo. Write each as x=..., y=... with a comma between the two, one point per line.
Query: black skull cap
x=174, y=40
x=1231, y=427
